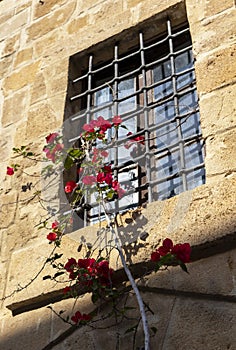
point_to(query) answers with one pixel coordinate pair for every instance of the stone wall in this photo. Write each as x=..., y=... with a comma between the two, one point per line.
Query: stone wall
x=195, y=311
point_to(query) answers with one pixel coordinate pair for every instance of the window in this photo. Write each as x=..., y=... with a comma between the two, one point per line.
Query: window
x=150, y=82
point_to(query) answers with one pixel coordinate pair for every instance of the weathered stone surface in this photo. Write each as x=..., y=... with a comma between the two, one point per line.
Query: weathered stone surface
x=101, y=12
x=218, y=110
x=213, y=7
x=50, y=22
x=221, y=154
x=207, y=34
x=204, y=271
x=50, y=43
x=216, y=69
x=41, y=120
x=41, y=9
x=210, y=318
x=57, y=77
x=5, y=65
x=78, y=23
x=11, y=45
x=13, y=108
x=38, y=89
x=20, y=329
x=8, y=207
x=22, y=77
x=23, y=56
x=15, y=23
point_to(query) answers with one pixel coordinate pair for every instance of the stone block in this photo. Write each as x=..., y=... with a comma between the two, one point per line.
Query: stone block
x=38, y=89
x=213, y=7
x=75, y=25
x=201, y=325
x=41, y=120
x=11, y=45
x=19, y=79
x=57, y=77
x=51, y=42
x=203, y=271
x=23, y=56
x=38, y=251
x=42, y=9
x=216, y=69
x=48, y=23
x=14, y=108
x=5, y=66
x=8, y=207
x=14, y=24
x=218, y=110
x=104, y=11
x=30, y=330
x=221, y=153
x=211, y=33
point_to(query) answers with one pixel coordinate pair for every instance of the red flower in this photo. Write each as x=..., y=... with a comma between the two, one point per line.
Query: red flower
x=117, y=120
x=51, y=137
x=69, y=187
x=182, y=252
x=66, y=290
x=55, y=225
x=10, y=171
x=52, y=236
x=86, y=263
x=104, y=177
x=70, y=265
x=80, y=317
x=155, y=256
x=89, y=179
x=166, y=247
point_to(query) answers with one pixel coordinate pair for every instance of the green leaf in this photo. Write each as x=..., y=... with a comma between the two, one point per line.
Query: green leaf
x=183, y=267
x=95, y=297
x=68, y=163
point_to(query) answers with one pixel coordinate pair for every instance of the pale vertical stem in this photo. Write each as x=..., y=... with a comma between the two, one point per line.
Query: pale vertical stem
x=132, y=281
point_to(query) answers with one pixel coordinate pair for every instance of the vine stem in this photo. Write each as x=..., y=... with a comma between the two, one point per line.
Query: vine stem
x=114, y=232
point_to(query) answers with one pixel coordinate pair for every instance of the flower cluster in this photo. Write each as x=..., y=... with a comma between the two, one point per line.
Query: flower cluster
x=55, y=233
x=53, y=148
x=97, y=128
x=170, y=253
x=89, y=272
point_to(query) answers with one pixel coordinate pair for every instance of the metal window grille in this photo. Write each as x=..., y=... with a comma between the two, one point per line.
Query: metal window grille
x=153, y=88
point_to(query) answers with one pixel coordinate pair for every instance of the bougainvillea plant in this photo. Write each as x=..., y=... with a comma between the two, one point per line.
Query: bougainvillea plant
x=96, y=178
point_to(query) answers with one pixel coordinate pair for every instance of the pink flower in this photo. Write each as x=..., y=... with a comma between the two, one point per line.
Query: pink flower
x=70, y=186
x=104, y=154
x=51, y=137
x=116, y=187
x=10, y=171
x=89, y=180
x=117, y=120
x=88, y=128
x=52, y=236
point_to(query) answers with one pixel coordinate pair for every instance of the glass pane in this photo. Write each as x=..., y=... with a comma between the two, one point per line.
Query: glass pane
x=161, y=72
